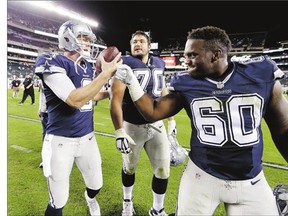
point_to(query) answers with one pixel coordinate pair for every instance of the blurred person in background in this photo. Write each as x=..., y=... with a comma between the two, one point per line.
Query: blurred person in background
x=42, y=112
x=28, y=84
x=15, y=86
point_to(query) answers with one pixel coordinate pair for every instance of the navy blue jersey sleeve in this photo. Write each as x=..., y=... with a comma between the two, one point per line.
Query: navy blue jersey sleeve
x=49, y=63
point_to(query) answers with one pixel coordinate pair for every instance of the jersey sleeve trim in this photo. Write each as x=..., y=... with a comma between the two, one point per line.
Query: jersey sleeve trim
x=278, y=74
x=50, y=69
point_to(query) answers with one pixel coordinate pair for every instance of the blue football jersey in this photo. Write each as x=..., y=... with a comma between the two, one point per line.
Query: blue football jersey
x=226, y=139
x=150, y=77
x=64, y=120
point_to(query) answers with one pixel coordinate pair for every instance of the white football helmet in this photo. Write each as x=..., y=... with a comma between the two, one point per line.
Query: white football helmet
x=68, y=36
x=177, y=152
x=281, y=195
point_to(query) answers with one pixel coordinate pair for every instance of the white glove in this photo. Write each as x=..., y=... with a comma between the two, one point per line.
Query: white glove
x=123, y=140
x=172, y=130
x=125, y=74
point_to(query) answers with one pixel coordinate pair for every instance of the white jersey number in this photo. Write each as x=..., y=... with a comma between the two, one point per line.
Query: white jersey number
x=88, y=106
x=144, y=76
x=244, y=114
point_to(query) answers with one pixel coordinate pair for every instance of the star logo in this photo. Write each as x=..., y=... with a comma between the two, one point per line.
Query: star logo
x=46, y=66
x=69, y=25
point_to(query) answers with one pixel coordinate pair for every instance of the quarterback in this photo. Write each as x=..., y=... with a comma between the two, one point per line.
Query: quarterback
x=69, y=87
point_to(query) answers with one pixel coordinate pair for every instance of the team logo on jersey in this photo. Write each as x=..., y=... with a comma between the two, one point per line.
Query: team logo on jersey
x=220, y=85
x=46, y=66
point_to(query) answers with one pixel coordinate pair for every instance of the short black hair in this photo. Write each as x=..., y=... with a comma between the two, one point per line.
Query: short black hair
x=215, y=37
x=140, y=32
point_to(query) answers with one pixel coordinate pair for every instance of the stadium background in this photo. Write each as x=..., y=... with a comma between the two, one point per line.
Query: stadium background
x=26, y=26
x=25, y=40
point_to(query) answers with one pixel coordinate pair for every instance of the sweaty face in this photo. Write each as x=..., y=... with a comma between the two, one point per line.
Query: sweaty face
x=198, y=60
x=139, y=46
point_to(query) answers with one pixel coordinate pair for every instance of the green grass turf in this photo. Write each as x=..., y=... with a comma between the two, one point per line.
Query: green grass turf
x=27, y=191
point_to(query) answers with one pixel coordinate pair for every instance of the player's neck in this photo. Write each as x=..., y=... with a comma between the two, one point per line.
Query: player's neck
x=74, y=56
x=145, y=59
x=227, y=70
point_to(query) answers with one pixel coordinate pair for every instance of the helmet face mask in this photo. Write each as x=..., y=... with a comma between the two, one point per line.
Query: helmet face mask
x=76, y=36
x=281, y=195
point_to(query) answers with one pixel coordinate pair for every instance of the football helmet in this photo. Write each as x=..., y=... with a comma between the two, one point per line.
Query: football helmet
x=77, y=36
x=177, y=153
x=281, y=195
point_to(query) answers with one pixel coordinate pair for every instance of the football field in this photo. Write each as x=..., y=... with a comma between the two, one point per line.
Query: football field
x=27, y=190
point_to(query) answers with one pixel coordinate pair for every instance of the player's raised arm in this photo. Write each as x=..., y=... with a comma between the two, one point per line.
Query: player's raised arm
x=79, y=96
x=152, y=110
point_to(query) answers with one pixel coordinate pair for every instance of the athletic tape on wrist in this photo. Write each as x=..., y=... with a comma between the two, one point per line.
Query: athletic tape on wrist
x=135, y=91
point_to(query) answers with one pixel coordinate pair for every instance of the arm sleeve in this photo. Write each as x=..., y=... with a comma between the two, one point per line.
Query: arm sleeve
x=60, y=84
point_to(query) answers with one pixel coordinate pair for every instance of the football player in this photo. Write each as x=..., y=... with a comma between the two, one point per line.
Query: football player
x=28, y=84
x=225, y=102
x=134, y=133
x=42, y=112
x=69, y=88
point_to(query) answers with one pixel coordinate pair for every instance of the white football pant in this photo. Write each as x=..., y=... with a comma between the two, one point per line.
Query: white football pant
x=59, y=154
x=200, y=194
x=153, y=138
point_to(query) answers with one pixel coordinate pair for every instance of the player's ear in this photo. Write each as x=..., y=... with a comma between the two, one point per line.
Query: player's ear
x=149, y=46
x=216, y=55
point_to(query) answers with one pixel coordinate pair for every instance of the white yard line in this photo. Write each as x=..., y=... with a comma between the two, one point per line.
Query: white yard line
x=25, y=118
x=21, y=148
x=277, y=166
x=104, y=134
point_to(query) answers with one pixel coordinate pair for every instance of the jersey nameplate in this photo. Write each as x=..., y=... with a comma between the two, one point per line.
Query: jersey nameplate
x=252, y=60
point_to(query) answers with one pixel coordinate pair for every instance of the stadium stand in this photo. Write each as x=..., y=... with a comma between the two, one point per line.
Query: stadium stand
x=21, y=27
x=243, y=44
x=24, y=43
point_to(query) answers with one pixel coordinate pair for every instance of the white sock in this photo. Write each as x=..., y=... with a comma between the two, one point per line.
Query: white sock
x=158, y=201
x=127, y=192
